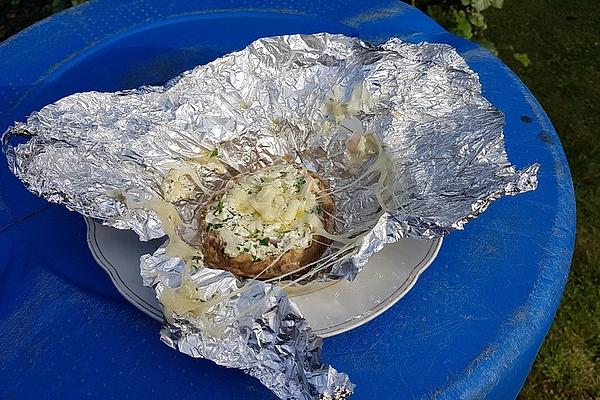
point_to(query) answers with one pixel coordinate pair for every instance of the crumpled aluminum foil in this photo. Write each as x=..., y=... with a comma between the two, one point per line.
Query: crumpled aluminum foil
x=272, y=343
x=296, y=96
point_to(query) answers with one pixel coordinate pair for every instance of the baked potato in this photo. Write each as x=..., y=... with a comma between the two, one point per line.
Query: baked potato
x=267, y=223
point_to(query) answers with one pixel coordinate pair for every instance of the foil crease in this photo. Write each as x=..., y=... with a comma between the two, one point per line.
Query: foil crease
x=106, y=155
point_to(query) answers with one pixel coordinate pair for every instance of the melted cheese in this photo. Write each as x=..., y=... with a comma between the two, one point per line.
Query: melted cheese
x=210, y=160
x=169, y=221
x=178, y=185
x=185, y=300
x=267, y=213
x=360, y=101
x=183, y=182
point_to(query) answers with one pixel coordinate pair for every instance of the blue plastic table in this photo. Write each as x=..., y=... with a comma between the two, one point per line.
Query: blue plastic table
x=471, y=326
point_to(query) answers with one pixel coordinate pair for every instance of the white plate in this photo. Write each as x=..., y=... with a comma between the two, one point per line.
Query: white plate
x=330, y=309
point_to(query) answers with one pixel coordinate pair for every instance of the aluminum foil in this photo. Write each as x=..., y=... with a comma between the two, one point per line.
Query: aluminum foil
x=298, y=97
x=271, y=342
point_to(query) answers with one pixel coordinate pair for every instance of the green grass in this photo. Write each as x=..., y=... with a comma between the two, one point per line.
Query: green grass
x=562, y=39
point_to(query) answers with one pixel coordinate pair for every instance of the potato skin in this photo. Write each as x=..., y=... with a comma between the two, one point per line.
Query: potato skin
x=213, y=247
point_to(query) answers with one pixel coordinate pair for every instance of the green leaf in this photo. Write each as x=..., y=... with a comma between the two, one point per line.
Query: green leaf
x=497, y=3
x=480, y=5
x=215, y=152
x=220, y=206
x=477, y=20
x=523, y=58
x=462, y=25
x=214, y=226
x=264, y=242
x=464, y=18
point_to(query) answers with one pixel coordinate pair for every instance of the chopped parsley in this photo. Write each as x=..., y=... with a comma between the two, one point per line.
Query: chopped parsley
x=299, y=183
x=263, y=237
x=215, y=152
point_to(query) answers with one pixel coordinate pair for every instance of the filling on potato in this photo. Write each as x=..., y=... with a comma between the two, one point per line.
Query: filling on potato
x=267, y=213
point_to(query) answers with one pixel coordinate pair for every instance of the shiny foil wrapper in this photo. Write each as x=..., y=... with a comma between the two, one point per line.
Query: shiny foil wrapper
x=299, y=98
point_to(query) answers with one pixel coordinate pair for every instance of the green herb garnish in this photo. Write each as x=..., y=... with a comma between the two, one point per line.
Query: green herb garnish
x=264, y=241
x=214, y=226
x=220, y=206
x=299, y=183
x=215, y=152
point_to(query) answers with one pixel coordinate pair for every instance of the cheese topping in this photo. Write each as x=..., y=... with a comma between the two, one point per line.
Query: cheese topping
x=360, y=101
x=183, y=179
x=267, y=213
x=179, y=185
